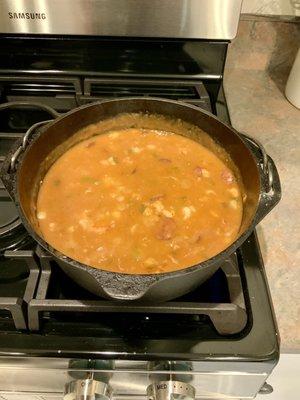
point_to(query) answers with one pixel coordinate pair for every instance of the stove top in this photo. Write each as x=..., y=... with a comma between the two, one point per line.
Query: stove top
x=40, y=306
x=222, y=338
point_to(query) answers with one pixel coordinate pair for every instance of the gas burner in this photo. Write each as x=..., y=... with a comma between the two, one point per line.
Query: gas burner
x=12, y=233
x=13, y=236
x=12, y=271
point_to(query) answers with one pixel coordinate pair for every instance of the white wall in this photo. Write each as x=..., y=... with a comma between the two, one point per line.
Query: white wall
x=275, y=7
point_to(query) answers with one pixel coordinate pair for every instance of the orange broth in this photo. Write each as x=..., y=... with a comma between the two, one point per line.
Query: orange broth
x=140, y=202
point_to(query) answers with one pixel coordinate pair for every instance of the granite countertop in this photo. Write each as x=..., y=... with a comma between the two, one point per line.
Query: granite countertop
x=259, y=61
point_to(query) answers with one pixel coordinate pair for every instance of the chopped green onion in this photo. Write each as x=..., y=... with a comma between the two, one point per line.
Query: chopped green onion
x=142, y=208
x=56, y=182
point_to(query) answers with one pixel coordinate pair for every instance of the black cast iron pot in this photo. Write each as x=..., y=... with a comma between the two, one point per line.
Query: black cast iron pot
x=25, y=167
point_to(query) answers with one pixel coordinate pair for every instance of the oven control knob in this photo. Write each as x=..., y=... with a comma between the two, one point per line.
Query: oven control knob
x=87, y=389
x=169, y=390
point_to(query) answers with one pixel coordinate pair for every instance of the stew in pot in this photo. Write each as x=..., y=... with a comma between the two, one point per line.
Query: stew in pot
x=139, y=201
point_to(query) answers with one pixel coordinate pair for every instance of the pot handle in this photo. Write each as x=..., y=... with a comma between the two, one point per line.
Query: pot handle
x=8, y=167
x=23, y=145
x=271, y=188
x=127, y=287
x=17, y=104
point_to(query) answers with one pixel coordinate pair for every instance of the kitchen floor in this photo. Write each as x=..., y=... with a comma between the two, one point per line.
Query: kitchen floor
x=259, y=61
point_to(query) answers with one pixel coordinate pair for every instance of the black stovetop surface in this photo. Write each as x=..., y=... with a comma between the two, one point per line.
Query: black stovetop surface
x=97, y=56
x=44, y=313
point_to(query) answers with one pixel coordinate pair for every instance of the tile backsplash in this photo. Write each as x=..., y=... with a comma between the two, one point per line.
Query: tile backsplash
x=272, y=7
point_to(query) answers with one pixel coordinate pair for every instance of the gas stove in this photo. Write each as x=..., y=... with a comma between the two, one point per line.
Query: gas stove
x=56, y=339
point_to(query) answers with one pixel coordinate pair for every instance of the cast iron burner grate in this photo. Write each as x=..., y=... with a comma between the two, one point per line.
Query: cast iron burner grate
x=18, y=279
x=220, y=300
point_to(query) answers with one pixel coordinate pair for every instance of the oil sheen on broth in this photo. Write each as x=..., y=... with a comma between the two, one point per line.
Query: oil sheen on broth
x=139, y=201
